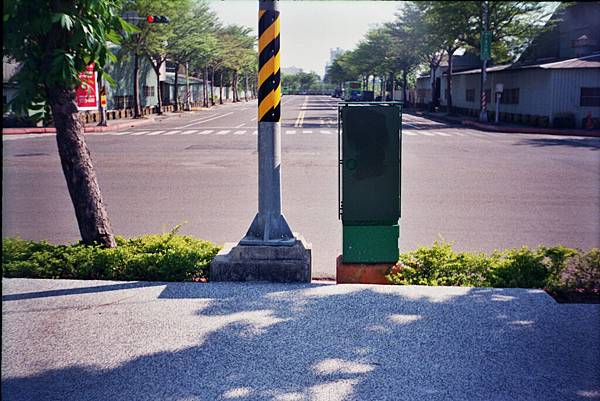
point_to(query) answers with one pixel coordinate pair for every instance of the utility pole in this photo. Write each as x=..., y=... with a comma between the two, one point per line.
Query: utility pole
x=485, y=55
x=188, y=106
x=269, y=251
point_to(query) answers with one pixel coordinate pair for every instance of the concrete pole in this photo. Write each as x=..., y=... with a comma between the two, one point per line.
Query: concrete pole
x=269, y=226
x=483, y=115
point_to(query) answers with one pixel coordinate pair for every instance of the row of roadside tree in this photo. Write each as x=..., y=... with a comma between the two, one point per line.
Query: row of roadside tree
x=426, y=33
x=53, y=41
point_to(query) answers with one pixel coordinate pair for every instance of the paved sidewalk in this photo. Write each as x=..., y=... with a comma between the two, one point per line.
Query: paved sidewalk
x=501, y=127
x=93, y=340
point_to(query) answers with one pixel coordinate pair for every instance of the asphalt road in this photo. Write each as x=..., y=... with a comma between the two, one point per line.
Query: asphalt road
x=480, y=190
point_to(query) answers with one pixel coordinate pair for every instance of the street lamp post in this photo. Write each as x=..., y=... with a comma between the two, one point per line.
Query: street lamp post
x=499, y=90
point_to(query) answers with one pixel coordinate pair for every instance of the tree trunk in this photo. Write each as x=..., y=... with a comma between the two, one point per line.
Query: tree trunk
x=392, y=81
x=234, y=86
x=212, y=87
x=432, y=103
x=137, y=113
x=204, y=87
x=176, y=105
x=76, y=163
x=246, y=87
x=404, y=87
x=158, y=94
x=449, y=82
x=221, y=87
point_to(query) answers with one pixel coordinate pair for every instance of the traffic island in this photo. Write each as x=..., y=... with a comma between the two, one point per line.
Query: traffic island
x=281, y=264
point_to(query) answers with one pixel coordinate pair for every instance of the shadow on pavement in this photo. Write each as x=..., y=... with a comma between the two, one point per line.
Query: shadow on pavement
x=589, y=143
x=326, y=342
x=77, y=291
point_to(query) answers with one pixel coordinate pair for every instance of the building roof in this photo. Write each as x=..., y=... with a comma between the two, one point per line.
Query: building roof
x=592, y=61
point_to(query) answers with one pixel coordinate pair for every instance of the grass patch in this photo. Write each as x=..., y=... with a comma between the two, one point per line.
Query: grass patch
x=562, y=271
x=164, y=257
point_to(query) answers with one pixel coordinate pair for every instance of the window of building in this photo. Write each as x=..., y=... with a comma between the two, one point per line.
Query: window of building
x=148, y=90
x=590, y=97
x=470, y=96
x=510, y=96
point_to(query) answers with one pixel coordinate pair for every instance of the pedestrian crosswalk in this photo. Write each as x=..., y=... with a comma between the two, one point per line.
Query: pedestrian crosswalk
x=294, y=131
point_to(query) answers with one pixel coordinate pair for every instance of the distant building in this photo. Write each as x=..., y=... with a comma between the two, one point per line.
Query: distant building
x=555, y=82
x=291, y=70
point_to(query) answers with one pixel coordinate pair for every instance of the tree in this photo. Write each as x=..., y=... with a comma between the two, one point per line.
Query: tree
x=192, y=39
x=59, y=39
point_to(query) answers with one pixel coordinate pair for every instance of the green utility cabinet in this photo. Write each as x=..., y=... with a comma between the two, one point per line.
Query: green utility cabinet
x=369, y=147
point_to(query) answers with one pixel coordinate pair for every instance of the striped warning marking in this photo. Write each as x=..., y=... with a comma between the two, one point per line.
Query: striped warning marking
x=118, y=133
x=269, y=85
x=140, y=133
x=189, y=132
x=223, y=132
x=155, y=133
x=206, y=132
x=171, y=133
x=239, y=132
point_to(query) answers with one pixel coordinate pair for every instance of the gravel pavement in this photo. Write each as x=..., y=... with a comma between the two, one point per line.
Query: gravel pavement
x=100, y=340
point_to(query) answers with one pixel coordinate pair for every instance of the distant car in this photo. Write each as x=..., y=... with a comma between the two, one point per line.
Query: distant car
x=355, y=96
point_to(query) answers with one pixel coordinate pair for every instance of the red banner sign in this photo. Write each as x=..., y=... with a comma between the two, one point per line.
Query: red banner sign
x=87, y=92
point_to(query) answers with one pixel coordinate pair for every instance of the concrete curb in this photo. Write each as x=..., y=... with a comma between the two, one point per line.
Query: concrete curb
x=87, y=129
x=529, y=130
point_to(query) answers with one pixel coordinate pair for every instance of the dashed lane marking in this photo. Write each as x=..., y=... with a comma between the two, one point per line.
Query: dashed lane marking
x=205, y=132
x=171, y=133
x=189, y=132
x=223, y=132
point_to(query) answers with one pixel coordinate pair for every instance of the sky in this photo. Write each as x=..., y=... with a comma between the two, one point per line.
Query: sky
x=309, y=29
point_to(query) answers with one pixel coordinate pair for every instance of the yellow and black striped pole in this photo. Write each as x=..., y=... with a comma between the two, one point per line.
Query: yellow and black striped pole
x=269, y=82
x=269, y=226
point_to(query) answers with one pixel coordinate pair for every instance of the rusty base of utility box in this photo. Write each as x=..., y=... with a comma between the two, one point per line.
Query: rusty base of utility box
x=361, y=273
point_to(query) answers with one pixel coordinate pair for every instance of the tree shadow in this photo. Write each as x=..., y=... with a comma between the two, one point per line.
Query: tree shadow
x=344, y=342
x=587, y=143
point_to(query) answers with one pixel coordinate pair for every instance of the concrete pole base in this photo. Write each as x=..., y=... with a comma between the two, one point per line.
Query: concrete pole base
x=281, y=264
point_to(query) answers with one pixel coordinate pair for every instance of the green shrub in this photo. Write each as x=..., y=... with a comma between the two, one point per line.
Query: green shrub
x=544, y=267
x=166, y=257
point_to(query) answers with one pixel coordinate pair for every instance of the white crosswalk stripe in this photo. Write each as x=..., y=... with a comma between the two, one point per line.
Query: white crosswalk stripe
x=205, y=132
x=155, y=133
x=140, y=133
x=189, y=132
x=223, y=132
x=171, y=133
x=242, y=132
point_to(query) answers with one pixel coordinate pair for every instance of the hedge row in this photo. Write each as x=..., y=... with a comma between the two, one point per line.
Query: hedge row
x=166, y=257
x=557, y=269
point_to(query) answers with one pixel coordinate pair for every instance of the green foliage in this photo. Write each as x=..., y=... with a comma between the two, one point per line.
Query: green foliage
x=556, y=267
x=54, y=42
x=166, y=257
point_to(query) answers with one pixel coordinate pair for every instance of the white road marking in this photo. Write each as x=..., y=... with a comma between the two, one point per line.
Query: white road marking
x=255, y=132
x=239, y=132
x=118, y=133
x=325, y=132
x=189, y=132
x=224, y=132
x=427, y=133
x=171, y=133
x=205, y=132
x=410, y=133
x=441, y=133
x=291, y=132
x=299, y=120
x=307, y=132
x=140, y=133
x=205, y=120
x=254, y=119
x=239, y=126
x=155, y=133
